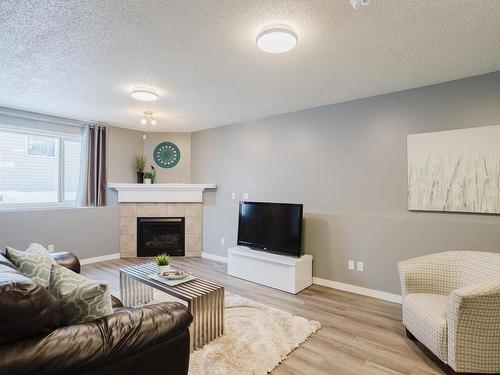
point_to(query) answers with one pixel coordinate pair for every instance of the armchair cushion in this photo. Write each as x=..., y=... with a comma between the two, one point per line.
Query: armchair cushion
x=479, y=266
x=436, y=273
x=424, y=315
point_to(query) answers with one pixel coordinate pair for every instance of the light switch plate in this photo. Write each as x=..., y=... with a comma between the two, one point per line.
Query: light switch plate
x=245, y=196
x=233, y=196
x=222, y=241
x=350, y=265
x=360, y=266
x=50, y=248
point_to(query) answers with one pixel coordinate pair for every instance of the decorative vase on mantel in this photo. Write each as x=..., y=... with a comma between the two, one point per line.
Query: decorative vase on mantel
x=140, y=177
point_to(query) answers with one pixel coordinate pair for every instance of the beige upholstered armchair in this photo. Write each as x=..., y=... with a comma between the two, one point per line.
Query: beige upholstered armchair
x=451, y=304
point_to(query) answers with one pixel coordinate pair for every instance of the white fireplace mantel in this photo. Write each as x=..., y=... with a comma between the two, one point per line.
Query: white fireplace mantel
x=187, y=193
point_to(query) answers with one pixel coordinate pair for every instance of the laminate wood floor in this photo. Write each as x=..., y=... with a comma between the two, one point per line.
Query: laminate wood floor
x=359, y=335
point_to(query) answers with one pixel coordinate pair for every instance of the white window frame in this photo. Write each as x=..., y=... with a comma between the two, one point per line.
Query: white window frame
x=61, y=202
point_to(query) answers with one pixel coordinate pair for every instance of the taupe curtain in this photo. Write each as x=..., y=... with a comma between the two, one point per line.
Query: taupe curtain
x=93, y=173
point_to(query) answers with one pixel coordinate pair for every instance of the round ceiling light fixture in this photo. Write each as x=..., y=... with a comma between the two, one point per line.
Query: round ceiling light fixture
x=144, y=93
x=276, y=39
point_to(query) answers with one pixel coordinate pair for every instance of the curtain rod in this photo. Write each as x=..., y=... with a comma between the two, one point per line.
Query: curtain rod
x=34, y=116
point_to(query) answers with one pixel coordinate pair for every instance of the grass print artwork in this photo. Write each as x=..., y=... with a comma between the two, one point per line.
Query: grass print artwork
x=455, y=171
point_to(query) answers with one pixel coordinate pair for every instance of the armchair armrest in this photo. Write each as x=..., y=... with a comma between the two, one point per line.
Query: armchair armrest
x=435, y=273
x=474, y=328
x=81, y=347
x=67, y=259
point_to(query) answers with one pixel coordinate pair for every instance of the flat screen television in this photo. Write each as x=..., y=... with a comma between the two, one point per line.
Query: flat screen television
x=272, y=227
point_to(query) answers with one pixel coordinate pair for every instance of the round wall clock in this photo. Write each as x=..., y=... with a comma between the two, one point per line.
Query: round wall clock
x=167, y=155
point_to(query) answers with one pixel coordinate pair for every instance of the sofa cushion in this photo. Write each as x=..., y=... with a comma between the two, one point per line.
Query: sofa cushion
x=67, y=259
x=4, y=261
x=35, y=262
x=90, y=347
x=115, y=302
x=26, y=307
x=424, y=315
x=82, y=300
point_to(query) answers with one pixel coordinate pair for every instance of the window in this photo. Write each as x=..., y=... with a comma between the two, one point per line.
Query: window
x=41, y=146
x=38, y=170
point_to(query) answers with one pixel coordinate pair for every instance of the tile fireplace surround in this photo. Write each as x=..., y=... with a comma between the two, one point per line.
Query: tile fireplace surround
x=160, y=200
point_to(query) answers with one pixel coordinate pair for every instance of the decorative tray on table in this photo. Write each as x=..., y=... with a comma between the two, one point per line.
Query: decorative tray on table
x=172, y=277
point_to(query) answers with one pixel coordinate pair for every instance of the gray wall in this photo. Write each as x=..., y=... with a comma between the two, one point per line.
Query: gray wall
x=88, y=232
x=347, y=164
x=181, y=173
x=92, y=232
x=123, y=144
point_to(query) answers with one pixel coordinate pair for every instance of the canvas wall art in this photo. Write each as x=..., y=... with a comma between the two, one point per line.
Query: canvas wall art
x=455, y=171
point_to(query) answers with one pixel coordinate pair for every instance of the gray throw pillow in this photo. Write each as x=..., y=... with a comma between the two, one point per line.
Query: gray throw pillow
x=34, y=263
x=82, y=300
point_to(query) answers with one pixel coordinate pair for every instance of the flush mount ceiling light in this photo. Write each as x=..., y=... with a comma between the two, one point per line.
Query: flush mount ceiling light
x=148, y=117
x=144, y=93
x=276, y=39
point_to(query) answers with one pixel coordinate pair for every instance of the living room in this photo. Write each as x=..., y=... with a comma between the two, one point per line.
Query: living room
x=250, y=187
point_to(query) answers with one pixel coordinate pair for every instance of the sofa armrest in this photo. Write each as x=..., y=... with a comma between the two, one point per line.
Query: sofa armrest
x=67, y=259
x=80, y=347
x=435, y=273
x=474, y=328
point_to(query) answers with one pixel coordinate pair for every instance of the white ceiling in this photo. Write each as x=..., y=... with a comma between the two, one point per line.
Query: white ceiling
x=78, y=59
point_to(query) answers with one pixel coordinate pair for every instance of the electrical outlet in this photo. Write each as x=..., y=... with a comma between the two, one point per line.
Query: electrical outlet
x=222, y=241
x=360, y=266
x=350, y=265
x=50, y=248
x=245, y=196
x=233, y=196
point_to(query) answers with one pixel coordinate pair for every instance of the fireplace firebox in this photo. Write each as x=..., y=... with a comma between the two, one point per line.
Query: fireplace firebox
x=157, y=235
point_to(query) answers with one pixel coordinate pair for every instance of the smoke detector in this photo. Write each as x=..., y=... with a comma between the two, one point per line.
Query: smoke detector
x=359, y=3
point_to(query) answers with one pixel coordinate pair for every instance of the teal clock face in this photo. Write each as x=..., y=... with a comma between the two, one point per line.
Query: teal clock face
x=167, y=155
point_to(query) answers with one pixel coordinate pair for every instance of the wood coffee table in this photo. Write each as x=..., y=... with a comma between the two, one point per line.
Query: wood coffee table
x=205, y=300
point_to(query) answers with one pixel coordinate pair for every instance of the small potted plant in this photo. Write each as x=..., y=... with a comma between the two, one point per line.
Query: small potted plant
x=163, y=263
x=149, y=177
x=140, y=164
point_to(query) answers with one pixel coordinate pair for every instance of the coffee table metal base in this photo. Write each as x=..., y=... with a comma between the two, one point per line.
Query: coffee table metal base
x=204, y=299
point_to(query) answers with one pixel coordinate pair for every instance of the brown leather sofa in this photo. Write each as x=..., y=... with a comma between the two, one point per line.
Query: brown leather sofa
x=35, y=340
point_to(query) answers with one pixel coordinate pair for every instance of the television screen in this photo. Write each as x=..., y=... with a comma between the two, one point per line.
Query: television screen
x=273, y=227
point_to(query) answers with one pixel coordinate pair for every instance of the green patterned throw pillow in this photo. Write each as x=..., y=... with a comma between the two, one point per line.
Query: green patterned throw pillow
x=34, y=263
x=82, y=300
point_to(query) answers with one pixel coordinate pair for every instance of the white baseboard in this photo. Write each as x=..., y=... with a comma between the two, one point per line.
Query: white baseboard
x=396, y=298
x=217, y=258
x=102, y=258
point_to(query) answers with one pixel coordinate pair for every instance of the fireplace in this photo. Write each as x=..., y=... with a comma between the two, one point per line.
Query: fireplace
x=156, y=235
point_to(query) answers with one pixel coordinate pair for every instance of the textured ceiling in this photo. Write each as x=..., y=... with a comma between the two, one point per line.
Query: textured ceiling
x=78, y=59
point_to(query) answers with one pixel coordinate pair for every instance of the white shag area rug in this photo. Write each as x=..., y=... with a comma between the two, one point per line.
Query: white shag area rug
x=256, y=339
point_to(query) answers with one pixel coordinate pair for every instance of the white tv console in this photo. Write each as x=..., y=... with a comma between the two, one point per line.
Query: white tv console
x=277, y=271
